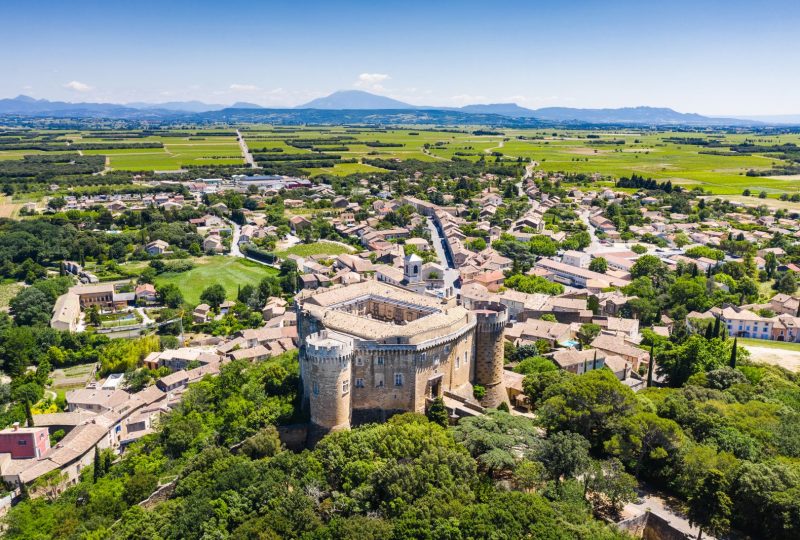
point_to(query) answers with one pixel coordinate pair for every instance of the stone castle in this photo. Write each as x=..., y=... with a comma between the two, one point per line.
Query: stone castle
x=372, y=349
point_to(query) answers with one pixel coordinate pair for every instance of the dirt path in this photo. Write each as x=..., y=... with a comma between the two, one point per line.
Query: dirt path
x=777, y=357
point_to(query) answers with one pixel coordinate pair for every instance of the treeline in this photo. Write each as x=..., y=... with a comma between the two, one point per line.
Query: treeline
x=379, y=144
x=640, y=182
x=41, y=168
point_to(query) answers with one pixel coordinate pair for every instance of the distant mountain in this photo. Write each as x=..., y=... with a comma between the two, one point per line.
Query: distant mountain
x=357, y=105
x=631, y=115
x=355, y=100
x=185, y=106
x=793, y=119
x=506, y=109
x=244, y=105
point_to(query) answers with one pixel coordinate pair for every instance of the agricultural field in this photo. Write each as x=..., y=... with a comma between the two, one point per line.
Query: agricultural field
x=230, y=272
x=317, y=248
x=177, y=152
x=7, y=292
x=344, y=150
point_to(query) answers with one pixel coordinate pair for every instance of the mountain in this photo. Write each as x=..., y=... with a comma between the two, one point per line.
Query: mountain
x=793, y=119
x=244, y=105
x=505, y=109
x=185, y=106
x=355, y=100
x=629, y=115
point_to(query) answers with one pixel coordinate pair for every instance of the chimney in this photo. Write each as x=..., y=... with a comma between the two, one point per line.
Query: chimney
x=16, y=426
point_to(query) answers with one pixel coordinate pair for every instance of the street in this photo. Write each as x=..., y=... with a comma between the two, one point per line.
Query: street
x=450, y=273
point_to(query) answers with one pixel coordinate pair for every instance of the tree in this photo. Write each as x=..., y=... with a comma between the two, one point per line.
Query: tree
x=98, y=465
x=651, y=368
x=732, y=362
x=535, y=364
x=170, y=295
x=785, y=283
x=608, y=485
x=587, y=333
x=770, y=264
x=31, y=307
x=213, y=295
x=50, y=484
x=93, y=316
x=598, y=264
x=563, y=454
x=265, y=443
x=28, y=414
x=437, y=412
x=710, y=505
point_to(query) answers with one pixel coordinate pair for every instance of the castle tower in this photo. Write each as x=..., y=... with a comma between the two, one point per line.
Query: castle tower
x=328, y=357
x=489, y=333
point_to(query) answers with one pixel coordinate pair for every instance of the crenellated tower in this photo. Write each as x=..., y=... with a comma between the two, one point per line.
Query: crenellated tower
x=491, y=319
x=326, y=374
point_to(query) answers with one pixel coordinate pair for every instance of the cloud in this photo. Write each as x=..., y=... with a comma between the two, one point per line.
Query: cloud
x=243, y=87
x=371, y=81
x=78, y=86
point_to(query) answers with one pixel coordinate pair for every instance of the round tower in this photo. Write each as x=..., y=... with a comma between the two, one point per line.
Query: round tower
x=491, y=318
x=328, y=357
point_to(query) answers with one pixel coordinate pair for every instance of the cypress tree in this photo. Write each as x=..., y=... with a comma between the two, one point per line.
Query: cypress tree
x=28, y=414
x=716, y=327
x=594, y=362
x=710, y=330
x=733, y=354
x=98, y=468
x=106, y=462
x=650, y=369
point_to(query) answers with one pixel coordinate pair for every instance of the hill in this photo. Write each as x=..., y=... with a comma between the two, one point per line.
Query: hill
x=355, y=100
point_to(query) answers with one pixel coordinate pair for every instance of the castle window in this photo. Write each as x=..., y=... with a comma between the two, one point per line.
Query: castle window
x=316, y=389
x=436, y=360
x=447, y=349
x=398, y=379
x=359, y=361
x=422, y=357
x=359, y=383
x=380, y=360
x=458, y=362
x=345, y=386
x=379, y=381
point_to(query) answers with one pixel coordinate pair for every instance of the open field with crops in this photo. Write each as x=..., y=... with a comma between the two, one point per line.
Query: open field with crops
x=685, y=158
x=230, y=272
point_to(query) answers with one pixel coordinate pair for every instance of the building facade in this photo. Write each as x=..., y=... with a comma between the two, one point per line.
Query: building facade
x=372, y=349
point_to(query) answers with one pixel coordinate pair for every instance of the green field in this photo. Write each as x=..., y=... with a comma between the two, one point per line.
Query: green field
x=317, y=248
x=781, y=345
x=639, y=151
x=7, y=292
x=230, y=272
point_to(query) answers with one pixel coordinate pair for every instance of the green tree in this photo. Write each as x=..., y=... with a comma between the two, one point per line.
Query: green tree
x=564, y=455
x=710, y=506
x=598, y=264
x=170, y=295
x=437, y=412
x=213, y=295
x=31, y=307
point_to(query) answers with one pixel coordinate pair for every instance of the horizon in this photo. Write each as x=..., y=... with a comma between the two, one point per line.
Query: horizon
x=578, y=55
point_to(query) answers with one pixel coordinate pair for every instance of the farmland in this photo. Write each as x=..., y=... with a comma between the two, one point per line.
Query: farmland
x=229, y=272
x=713, y=161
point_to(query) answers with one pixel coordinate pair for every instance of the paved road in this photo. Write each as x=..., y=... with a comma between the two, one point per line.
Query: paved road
x=450, y=273
x=237, y=232
x=248, y=157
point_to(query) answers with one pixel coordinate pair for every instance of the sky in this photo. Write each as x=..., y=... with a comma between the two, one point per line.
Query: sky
x=710, y=57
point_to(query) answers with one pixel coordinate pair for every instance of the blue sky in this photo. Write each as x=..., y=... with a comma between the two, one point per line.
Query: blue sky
x=710, y=57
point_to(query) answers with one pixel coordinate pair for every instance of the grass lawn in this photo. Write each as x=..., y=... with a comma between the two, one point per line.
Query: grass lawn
x=230, y=272
x=317, y=248
x=7, y=292
x=782, y=345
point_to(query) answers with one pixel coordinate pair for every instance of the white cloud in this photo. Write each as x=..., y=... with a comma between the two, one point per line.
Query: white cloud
x=371, y=81
x=78, y=86
x=243, y=87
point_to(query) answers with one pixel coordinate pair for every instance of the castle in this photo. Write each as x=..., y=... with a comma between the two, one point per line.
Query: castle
x=372, y=349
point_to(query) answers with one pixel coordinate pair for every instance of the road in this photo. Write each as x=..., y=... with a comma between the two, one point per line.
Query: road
x=248, y=157
x=237, y=232
x=450, y=273
x=595, y=245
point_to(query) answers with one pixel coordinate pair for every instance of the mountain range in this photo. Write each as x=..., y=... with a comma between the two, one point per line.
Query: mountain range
x=356, y=106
